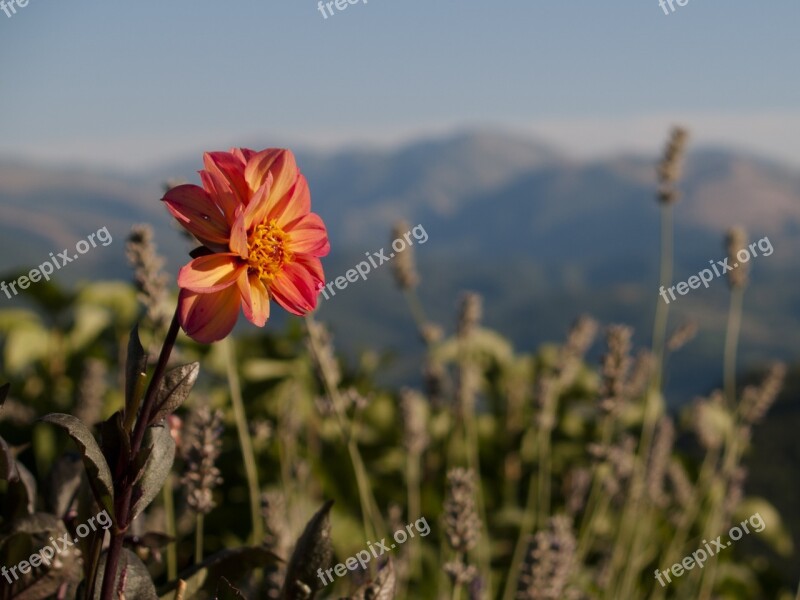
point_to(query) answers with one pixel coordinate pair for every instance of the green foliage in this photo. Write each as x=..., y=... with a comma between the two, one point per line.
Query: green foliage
x=530, y=426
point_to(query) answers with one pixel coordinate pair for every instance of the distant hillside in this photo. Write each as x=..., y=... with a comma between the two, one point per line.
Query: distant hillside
x=543, y=237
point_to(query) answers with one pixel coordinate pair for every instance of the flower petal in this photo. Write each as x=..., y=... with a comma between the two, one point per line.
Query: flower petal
x=196, y=211
x=238, y=243
x=308, y=235
x=228, y=168
x=255, y=299
x=208, y=318
x=219, y=189
x=297, y=286
x=256, y=212
x=276, y=161
x=243, y=154
x=290, y=207
x=211, y=273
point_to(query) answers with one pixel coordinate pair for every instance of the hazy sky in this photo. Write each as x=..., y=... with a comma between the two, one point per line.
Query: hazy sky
x=132, y=83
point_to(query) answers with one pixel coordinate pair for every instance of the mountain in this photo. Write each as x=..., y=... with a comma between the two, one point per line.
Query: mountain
x=543, y=237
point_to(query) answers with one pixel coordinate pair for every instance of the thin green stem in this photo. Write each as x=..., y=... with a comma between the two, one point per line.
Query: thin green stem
x=467, y=399
x=689, y=514
x=732, y=450
x=248, y=455
x=456, y=595
x=731, y=344
x=417, y=311
x=662, y=307
x=525, y=529
x=198, y=538
x=373, y=526
x=630, y=534
x=169, y=518
x=413, y=480
x=543, y=485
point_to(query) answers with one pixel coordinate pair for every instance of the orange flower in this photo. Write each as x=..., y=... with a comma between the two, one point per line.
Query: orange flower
x=260, y=241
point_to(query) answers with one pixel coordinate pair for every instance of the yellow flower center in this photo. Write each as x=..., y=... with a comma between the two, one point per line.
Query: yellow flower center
x=268, y=250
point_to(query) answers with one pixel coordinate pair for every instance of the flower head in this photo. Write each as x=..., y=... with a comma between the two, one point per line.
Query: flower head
x=260, y=241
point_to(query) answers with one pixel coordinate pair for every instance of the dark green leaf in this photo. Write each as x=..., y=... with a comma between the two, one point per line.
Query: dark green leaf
x=174, y=389
x=381, y=588
x=96, y=466
x=8, y=464
x=231, y=563
x=31, y=534
x=135, y=371
x=312, y=552
x=138, y=585
x=226, y=590
x=20, y=497
x=4, y=389
x=114, y=440
x=157, y=468
x=63, y=483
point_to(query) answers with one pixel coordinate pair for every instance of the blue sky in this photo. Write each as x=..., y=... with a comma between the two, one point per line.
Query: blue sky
x=129, y=84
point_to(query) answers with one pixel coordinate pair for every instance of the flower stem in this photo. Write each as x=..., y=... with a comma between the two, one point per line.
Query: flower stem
x=198, y=539
x=245, y=442
x=370, y=513
x=731, y=343
x=124, y=493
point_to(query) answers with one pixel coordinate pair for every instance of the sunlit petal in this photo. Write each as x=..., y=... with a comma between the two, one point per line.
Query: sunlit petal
x=208, y=318
x=308, y=235
x=194, y=208
x=211, y=273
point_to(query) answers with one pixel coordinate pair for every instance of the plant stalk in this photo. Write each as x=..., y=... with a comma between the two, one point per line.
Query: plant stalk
x=124, y=489
x=245, y=441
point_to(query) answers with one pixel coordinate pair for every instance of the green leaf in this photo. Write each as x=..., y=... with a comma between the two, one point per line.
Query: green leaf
x=90, y=321
x=8, y=464
x=21, y=494
x=11, y=318
x=26, y=345
x=174, y=389
x=313, y=551
x=114, y=440
x=135, y=372
x=96, y=466
x=262, y=369
x=137, y=583
x=381, y=588
x=765, y=521
x=161, y=448
x=4, y=389
x=231, y=563
x=30, y=534
x=117, y=296
x=63, y=483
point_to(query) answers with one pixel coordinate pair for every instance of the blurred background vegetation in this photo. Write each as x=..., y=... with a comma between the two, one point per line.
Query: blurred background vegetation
x=555, y=472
